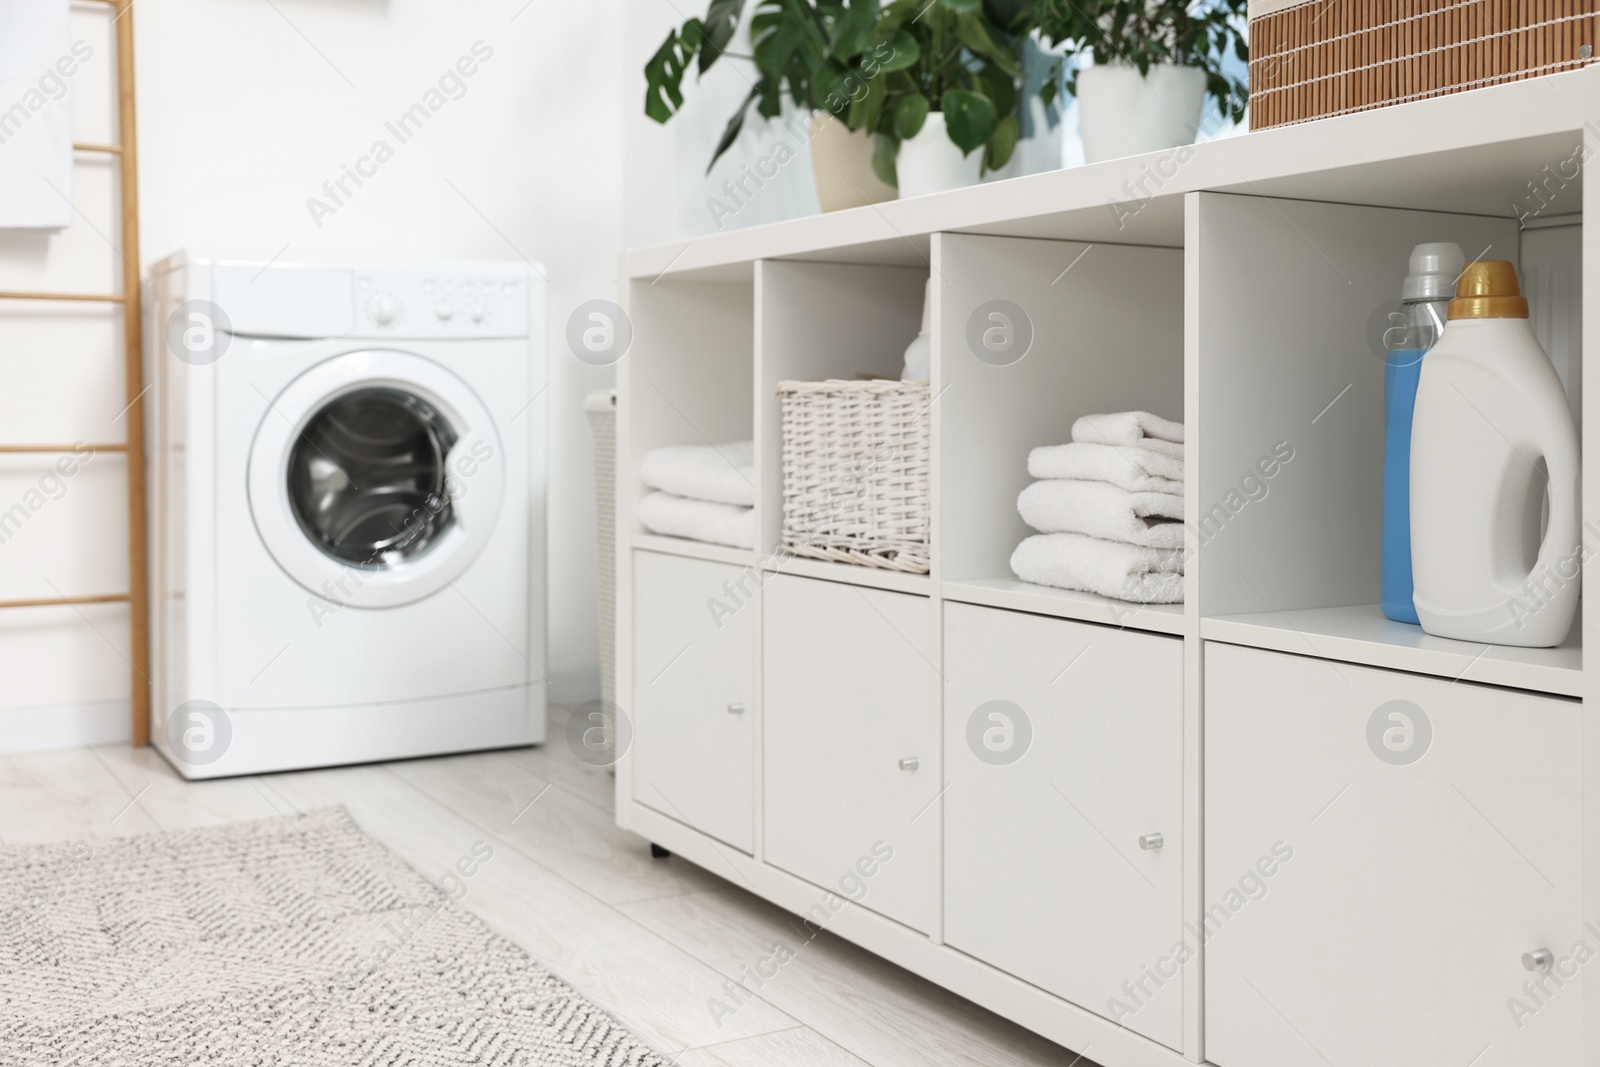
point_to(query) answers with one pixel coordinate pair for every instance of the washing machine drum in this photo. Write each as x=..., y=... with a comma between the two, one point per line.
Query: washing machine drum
x=367, y=477
x=378, y=466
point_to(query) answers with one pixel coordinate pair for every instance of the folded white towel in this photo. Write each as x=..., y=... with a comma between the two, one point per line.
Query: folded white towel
x=1131, y=428
x=1099, y=509
x=698, y=520
x=37, y=61
x=1138, y=470
x=725, y=474
x=1123, y=572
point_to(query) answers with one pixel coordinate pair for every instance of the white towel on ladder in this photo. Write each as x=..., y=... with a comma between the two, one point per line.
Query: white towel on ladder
x=37, y=62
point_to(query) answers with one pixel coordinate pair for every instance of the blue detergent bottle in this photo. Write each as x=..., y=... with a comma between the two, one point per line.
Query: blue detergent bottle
x=1424, y=299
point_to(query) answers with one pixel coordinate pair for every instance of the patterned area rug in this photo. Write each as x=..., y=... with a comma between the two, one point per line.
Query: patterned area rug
x=296, y=941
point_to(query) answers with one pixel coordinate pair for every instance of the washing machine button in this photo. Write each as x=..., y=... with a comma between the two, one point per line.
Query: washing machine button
x=385, y=309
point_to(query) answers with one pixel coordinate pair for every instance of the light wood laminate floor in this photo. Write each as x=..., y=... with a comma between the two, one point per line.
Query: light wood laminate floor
x=651, y=941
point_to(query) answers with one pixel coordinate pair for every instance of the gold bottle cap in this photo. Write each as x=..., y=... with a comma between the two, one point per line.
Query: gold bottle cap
x=1487, y=289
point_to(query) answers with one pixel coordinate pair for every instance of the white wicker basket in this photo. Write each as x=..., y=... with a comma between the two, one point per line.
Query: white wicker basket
x=855, y=472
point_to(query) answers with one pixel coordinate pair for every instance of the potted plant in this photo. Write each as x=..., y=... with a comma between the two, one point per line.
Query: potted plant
x=873, y=76
x=951, y=115
x=1155, y=62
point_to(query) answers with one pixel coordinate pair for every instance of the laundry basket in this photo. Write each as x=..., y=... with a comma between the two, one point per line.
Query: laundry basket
x=601, y=407
x=855, y=472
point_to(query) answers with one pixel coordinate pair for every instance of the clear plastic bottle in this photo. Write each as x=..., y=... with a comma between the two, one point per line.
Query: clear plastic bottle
x=1424, y=300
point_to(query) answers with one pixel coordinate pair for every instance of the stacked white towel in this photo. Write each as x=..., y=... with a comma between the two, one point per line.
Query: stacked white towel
x=703, y=493
x=1109, y=510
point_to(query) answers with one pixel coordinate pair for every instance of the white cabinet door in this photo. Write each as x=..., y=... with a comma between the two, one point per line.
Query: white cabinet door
x=851, y=740
x=1381, y=851
x=1063, y=748
x=693, y=688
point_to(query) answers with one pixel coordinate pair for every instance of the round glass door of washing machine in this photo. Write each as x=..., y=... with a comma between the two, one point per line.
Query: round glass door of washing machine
x=367, y=478
x=379, y=463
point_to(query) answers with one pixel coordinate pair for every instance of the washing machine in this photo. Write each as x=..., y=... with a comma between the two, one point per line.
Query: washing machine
x=347, y=519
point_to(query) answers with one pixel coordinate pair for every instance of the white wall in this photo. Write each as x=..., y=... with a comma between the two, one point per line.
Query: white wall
x=246, y=107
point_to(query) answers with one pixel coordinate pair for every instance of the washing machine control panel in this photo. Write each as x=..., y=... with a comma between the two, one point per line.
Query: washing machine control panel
x=483, y=300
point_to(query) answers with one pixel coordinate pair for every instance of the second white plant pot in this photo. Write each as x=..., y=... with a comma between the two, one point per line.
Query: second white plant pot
x=931, y=163
x=1123, y=113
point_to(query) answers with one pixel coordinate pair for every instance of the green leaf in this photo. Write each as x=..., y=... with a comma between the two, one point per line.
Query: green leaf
x=1012, y=15
x=663, y=73
x=829, y=88
x=770, y=91
x=909, y=115
x=871, y=106
x=897, y=53
x=975, y=36
x=722, y=17
x=969, y=117
x=853, y=31
x=1001, y=89
x=730, y=132
x=1002, y=143
x=885, y=150
x=964, y=7
x=773, y=51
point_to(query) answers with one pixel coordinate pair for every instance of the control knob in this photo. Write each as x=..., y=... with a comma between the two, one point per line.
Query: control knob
x=385, y=309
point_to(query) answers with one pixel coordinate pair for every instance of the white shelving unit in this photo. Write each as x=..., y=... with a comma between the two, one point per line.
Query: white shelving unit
x=1110, y=888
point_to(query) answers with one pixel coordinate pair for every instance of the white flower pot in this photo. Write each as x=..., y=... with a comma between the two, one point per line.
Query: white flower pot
x=841, y=165
x=1123, y=113
x=931, y=163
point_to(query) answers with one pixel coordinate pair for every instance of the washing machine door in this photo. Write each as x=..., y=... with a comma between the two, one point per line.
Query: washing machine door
x=376, y=477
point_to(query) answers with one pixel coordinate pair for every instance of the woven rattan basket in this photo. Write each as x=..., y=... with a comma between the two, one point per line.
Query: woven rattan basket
x=855, y=472
x=1333, y=57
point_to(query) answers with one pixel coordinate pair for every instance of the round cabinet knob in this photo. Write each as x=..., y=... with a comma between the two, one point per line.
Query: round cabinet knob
x=909, y=763
x=1151, y=842
x=736, y=708
x=385, y=308
x=479, y=312
x=444, y=311
x=1540, y=959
